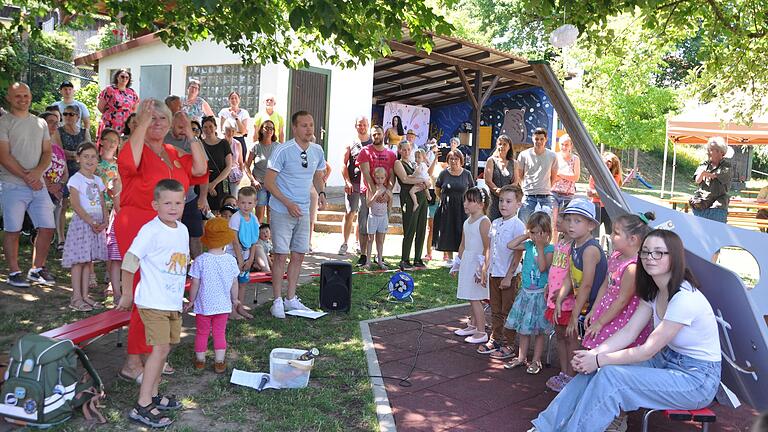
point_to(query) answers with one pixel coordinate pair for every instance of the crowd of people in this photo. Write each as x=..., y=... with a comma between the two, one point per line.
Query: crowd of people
x=142, y=189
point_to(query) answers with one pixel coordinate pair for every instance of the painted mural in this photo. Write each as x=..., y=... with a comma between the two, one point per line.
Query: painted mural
x=517, y=114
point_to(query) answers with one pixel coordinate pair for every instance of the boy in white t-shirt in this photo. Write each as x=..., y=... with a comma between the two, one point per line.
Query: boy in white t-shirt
x=162, y=249
x=502, y=266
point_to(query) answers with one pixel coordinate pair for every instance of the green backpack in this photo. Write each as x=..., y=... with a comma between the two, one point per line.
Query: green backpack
x=42, y=387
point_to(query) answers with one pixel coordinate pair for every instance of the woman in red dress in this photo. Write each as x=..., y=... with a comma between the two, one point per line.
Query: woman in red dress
x=144, y=160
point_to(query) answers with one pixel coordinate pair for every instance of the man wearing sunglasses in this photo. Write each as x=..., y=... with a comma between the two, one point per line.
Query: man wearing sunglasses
x=67, y=91
x=293, y=168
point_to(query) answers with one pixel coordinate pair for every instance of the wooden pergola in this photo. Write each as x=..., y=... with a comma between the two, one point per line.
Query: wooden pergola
x=454, y=71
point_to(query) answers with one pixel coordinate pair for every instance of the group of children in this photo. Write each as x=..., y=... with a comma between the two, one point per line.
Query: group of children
x=536, y=287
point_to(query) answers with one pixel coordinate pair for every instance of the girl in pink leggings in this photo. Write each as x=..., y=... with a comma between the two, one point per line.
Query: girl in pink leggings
x=213, y=292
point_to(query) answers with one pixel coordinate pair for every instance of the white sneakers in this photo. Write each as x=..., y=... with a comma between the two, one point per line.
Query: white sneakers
x=295, y=304
x=279, y=306
x=278, y=309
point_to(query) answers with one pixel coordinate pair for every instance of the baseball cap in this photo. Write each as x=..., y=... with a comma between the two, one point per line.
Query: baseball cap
x=66, y=84
x=582, y=207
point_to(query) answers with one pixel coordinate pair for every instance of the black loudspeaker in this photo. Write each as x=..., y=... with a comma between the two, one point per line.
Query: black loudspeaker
x=336, y=286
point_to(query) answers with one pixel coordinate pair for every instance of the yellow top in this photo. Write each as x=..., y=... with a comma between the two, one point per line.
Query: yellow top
x=392, y=137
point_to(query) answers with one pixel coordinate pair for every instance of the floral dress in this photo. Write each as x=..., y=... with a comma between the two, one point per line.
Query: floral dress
x=120, y=104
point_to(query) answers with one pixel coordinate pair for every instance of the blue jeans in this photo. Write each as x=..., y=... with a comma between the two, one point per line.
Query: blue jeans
x=529, y=205
x=715, y=214
x=667, y=381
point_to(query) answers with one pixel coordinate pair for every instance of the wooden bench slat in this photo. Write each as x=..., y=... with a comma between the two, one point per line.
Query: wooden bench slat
x=678, y=415
x=704, y=415
x=88, y=333
x=97, y=320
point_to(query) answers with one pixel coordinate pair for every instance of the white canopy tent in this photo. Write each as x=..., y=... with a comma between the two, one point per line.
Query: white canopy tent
x=697, y=123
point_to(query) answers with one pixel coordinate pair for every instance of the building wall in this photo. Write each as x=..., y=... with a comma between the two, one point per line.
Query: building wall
x=350, y=96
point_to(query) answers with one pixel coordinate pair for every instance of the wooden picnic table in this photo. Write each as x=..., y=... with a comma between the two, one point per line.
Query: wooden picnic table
x=735, y=203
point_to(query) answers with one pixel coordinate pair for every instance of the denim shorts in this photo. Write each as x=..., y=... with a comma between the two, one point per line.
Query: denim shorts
x=715, y=214
x=562, y=200
x=19, y=199
x=262, y=197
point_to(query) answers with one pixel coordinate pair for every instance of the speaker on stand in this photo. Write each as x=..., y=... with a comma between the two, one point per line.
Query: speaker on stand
x=336, y=286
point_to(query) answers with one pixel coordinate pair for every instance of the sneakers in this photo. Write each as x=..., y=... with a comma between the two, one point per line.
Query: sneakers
x=40, y=276
x=17, y=280
x=467, y=331
x=278, y=309
x=343, y=249
x=363, y=260
x=220, y=367
x=558, y=382
x=619, y=424
x=295, y=304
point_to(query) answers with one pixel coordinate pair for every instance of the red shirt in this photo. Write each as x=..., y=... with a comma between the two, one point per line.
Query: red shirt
x=138, y=186
x=385, y=158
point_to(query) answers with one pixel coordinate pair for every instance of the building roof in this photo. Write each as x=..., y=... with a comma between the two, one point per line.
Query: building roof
x=93, y=58
x=444, y=76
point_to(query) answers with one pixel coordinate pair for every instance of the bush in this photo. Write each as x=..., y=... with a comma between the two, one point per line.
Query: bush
x=89, y=96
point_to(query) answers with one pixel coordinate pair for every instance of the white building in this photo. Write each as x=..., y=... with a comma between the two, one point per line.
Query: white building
x=333, y=95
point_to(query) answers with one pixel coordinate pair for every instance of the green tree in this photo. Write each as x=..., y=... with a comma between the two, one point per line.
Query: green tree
x=345, y=33
x=734, y=39
x=619, y=100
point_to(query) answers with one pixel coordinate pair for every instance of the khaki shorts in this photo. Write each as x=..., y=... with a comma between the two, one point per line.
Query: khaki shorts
x=161, y=327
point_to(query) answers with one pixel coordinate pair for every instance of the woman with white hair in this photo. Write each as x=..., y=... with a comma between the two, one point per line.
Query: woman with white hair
x=145, y=160
x=713, y=176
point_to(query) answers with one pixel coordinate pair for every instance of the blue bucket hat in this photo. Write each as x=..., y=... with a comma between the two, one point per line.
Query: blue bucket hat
x=582, y=207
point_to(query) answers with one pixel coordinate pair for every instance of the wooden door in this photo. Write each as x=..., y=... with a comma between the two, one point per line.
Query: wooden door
x=310, y=91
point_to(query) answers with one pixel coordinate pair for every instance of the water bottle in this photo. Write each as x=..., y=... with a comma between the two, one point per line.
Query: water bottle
x=309, y=355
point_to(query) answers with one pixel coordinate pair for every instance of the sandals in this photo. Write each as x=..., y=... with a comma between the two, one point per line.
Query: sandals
x=93, y=304
x=168, y=369
x=60, y=246
x=516, y=362
x=80, y=306
x=488, y=347
x=144, y=415
x=502, y=353
x=172, y=403
x=125, y=377
x=534, y=368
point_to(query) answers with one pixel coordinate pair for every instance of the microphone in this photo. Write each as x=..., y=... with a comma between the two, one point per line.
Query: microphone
x=264, y=381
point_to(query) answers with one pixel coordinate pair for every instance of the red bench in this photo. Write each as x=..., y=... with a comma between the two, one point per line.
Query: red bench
x=704, y=416
x=85, y=330
x=88, y=329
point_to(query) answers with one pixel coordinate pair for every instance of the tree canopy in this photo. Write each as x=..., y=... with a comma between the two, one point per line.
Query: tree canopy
x=731, y=38
x=340, y=32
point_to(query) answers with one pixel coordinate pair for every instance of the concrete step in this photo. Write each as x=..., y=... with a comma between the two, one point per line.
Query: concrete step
x=338, y=216
x=335, y=227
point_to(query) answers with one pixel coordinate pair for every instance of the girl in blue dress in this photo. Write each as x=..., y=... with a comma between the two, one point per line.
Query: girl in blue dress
x=527, y=313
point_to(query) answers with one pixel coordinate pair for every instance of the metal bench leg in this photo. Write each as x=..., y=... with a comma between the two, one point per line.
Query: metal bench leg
x=120, y=337
x=646, y=417
x=549, y=348
x=705, y=427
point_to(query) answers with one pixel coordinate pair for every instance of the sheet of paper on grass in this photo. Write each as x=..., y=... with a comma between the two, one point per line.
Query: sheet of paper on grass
x=251, y=379
x=306, y=313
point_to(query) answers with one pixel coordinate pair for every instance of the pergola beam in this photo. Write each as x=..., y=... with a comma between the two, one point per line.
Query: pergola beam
x=467, y=64
x=397, y=76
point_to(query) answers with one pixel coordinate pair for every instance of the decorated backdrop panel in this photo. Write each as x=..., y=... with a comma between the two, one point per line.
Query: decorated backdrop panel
x=516, y=114
x=413, y=117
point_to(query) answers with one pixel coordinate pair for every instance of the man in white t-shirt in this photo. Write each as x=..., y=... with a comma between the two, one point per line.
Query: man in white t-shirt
x=25, y=153
x=67, y=91
x=537, y=169
x=161, y=252
x=291, y=170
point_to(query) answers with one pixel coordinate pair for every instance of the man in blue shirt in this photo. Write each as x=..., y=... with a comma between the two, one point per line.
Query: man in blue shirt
x=294, y=167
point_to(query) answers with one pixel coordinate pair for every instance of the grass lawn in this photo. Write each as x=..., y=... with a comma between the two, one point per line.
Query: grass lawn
x=338, y=398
